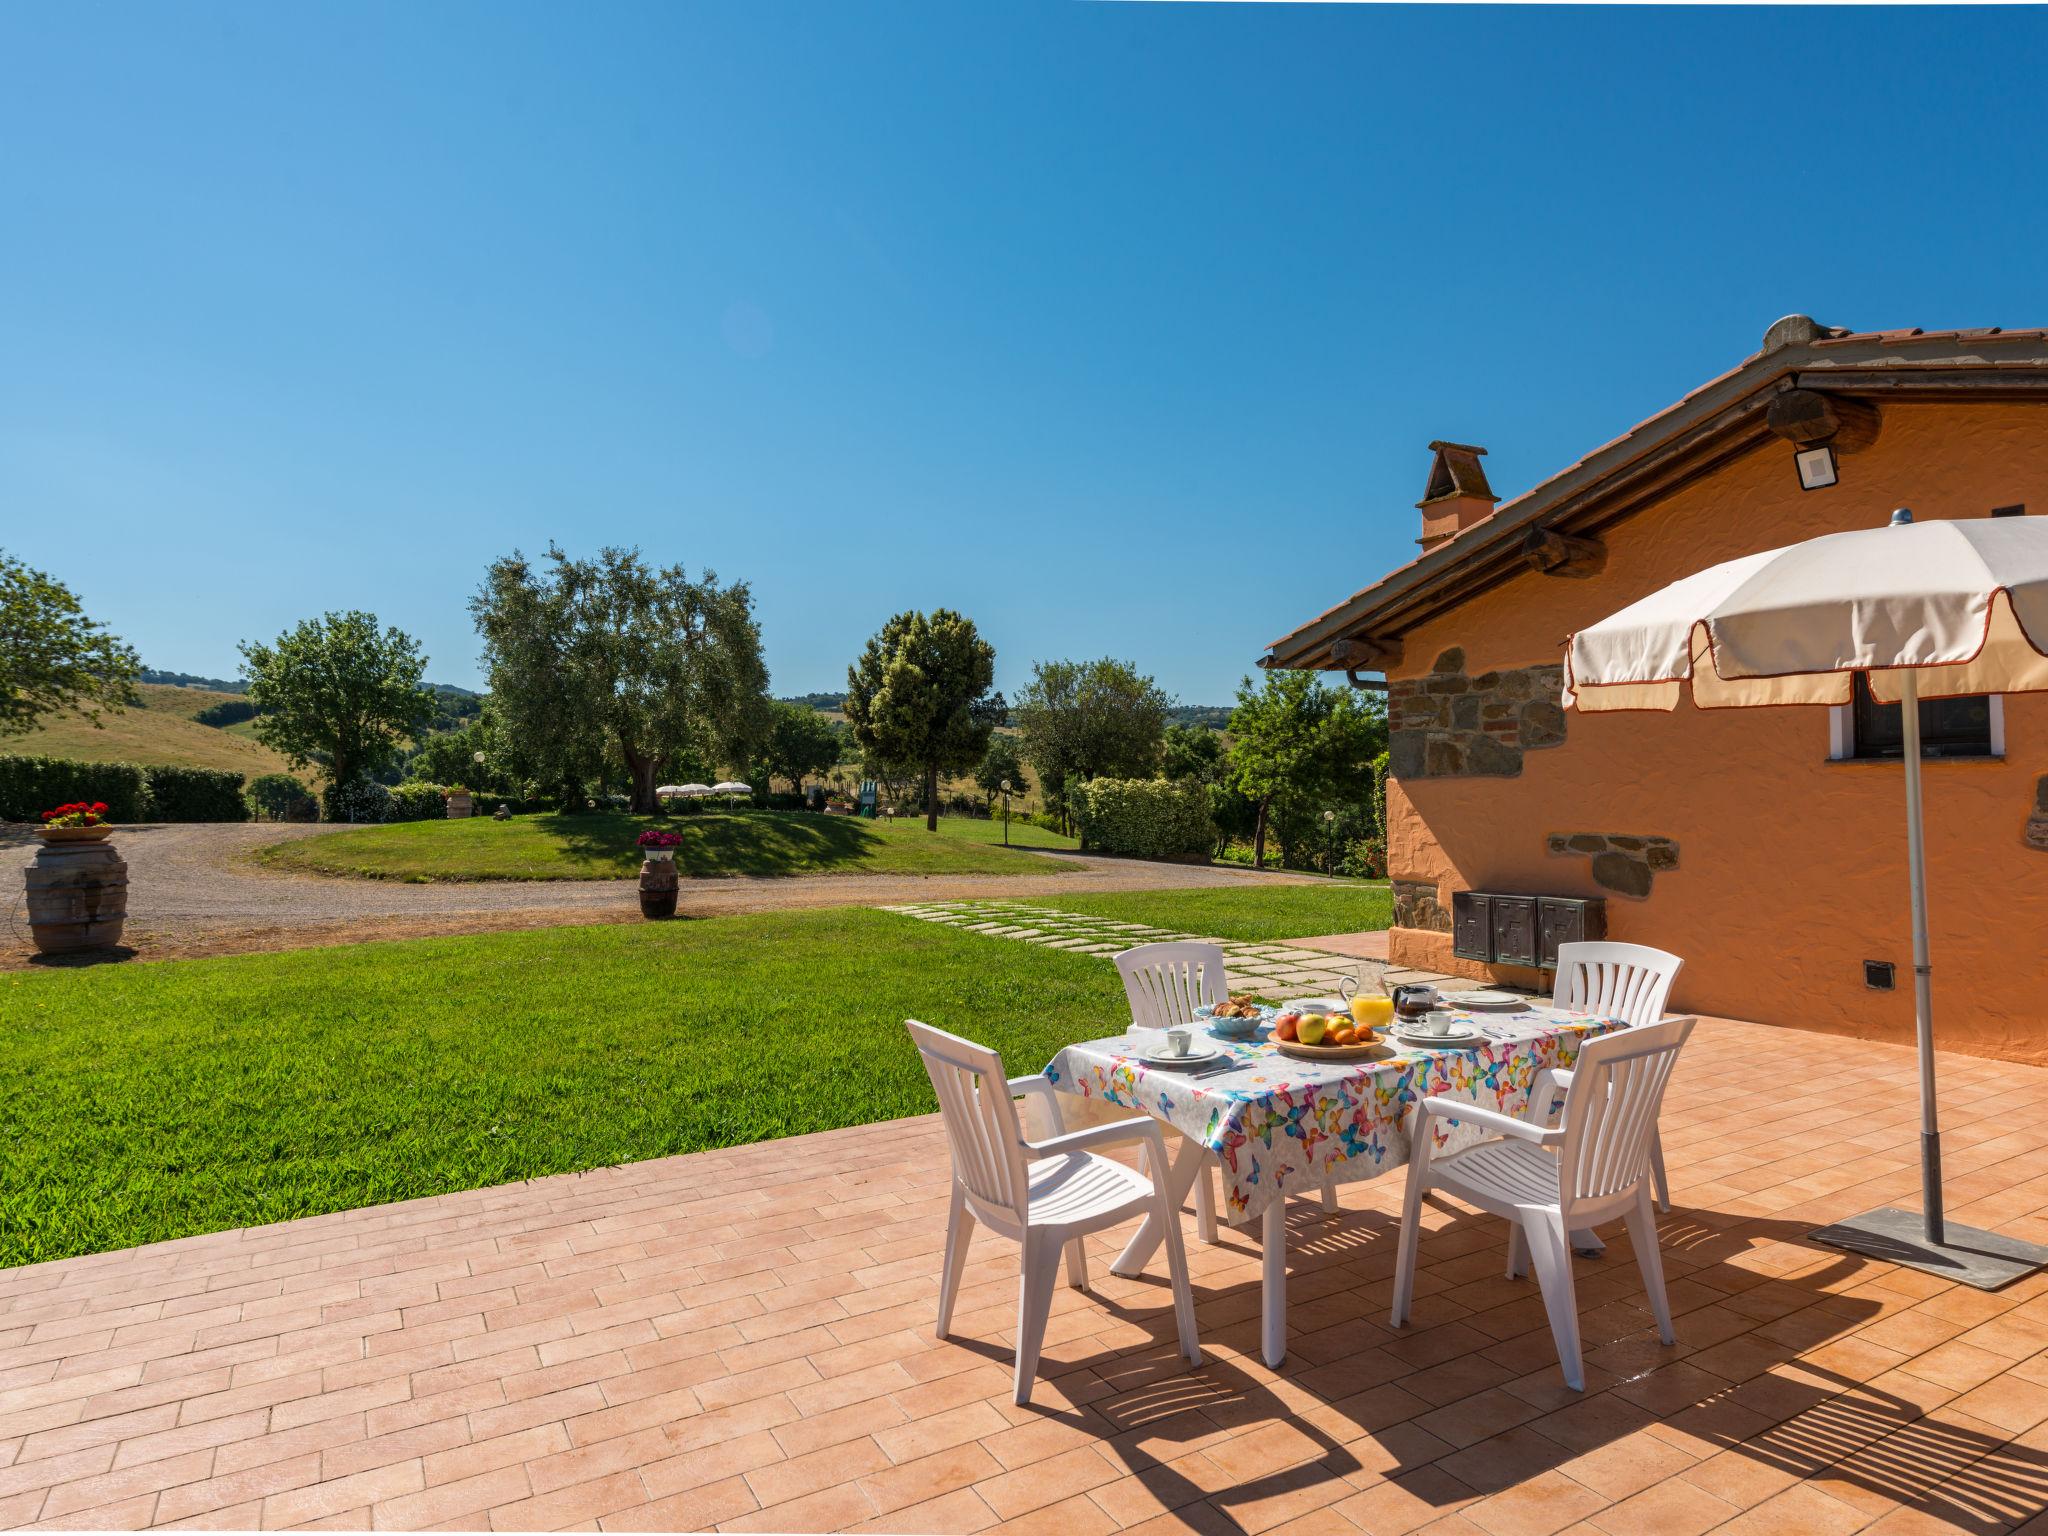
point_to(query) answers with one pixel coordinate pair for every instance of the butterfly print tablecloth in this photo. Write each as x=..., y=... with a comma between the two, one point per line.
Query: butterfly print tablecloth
x=1276, y=1122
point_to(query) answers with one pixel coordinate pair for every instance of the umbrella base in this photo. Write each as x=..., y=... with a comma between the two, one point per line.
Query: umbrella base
x=1970, y=1255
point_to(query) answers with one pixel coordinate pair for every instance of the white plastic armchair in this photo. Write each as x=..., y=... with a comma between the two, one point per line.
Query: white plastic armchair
x=1046, y=1195
x=1631, y=982
x=1165, y=984
x=1550, y=1181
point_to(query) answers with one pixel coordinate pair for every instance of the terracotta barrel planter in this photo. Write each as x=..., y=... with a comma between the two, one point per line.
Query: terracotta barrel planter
x=658, y=886
x=459, y=807
x=77, y=894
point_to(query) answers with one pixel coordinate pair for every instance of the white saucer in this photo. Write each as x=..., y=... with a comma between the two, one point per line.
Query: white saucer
x=1468, y=1037
x=1486, y=1000
x=1196, y=1057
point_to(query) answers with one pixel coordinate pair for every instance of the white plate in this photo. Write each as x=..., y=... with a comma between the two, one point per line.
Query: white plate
x=1197, y=1056
x=1486, y=1000
x=1414, y=1037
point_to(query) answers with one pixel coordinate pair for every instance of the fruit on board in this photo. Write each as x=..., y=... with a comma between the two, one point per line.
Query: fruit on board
x=1341, y=1035
x=1311, y=1028
x=1290, y=1018
x=1284, y=1026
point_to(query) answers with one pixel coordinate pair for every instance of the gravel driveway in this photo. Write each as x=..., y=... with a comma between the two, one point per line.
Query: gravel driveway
x=193, y=891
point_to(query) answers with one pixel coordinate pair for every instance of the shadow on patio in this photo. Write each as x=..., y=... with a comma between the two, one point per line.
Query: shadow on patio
x=743, y=1340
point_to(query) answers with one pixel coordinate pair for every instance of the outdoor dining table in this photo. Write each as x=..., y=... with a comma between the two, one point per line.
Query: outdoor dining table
x=1275, y=1123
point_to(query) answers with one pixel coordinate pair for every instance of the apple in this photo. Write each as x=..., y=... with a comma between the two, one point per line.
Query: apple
x=1284, y=1026
x=1310, y=1030
x=1290, y=1017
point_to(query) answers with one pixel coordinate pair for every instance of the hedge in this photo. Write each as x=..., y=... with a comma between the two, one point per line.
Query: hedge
x=132, y=791
x=1145, y=818
x=195, y=794
x=31, y=785
x=413, y=801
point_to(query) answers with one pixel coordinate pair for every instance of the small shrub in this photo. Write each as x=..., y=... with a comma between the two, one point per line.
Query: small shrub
x=1146, y=818
x=31, y=785
x=281, y=797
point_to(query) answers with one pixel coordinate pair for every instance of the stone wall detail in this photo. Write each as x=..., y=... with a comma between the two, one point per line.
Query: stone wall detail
x=1416, y=906
x=1449, y=725
x=2037, y=824
x=1623, y=862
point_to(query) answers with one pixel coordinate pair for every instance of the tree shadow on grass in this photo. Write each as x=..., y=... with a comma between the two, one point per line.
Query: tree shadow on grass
x=750, y=843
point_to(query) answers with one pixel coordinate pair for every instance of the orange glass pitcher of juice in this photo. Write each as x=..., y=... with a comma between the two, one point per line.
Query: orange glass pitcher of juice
x=1372, y=1008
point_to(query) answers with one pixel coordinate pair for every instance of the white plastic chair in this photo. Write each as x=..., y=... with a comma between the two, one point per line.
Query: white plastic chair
x=1046, y=1195
x=1590, y=1168
x=1165, y=984
x=1621, y=981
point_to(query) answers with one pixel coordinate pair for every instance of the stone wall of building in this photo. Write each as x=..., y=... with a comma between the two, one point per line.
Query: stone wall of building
x=1416, y=906
x=2037, y=824
x=1449, y=725
x=1623, y=862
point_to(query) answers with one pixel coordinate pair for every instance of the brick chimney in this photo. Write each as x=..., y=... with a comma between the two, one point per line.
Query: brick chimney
x=1457, y=495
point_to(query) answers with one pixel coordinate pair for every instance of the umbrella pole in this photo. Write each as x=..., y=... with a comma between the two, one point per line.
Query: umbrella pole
x=1923, y=977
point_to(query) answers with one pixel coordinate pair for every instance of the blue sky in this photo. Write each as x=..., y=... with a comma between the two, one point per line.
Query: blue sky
x=1121, y=328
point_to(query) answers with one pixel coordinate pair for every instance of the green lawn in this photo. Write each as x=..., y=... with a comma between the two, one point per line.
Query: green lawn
x=1248, y=912
x=601, y=846
x=142, y=1102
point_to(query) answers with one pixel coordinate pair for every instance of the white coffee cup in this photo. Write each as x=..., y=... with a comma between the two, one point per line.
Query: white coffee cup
x=1176, y=1042
x=1437, y=1022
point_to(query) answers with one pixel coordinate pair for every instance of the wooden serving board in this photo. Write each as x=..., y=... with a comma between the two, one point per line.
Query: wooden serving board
x=1372, y=1052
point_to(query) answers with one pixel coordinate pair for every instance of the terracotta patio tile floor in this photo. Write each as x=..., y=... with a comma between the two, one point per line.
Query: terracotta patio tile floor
x=742, y=1340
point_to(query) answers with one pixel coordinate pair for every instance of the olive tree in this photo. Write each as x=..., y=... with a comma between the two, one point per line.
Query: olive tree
x=922, y=694
x=611, y=661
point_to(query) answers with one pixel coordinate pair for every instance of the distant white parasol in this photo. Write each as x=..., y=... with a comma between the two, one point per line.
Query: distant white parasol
x=731, y=787
x=691, y=791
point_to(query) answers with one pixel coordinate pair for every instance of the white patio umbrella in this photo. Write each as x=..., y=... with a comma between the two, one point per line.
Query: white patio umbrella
x=731, y=787
x=1925, y=610
x=687, y=791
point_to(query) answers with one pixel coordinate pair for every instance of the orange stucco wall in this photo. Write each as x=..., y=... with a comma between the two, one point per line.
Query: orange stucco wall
x=1792, y=869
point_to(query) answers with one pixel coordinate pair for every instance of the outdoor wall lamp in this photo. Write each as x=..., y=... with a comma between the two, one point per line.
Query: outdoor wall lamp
x=1817, y=469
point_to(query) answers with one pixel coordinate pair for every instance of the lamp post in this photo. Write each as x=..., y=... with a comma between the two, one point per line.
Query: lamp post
x=1330, y=838
x=1006, y=813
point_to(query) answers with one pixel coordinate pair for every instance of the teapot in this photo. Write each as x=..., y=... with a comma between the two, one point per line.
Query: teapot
x=1413, y=1001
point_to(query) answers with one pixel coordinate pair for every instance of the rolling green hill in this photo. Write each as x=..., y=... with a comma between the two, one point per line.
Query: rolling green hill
x=161, y=730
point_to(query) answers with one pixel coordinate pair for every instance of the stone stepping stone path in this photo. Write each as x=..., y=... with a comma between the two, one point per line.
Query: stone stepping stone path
x=1265, y=968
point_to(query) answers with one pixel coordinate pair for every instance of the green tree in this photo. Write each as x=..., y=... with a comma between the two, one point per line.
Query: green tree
x=1083, y=720
x=278, y=796
x=1193, y=752
x=801, y=743
x=339, y=691
x=1001, y=761
x=52, y=657
x=922, y=695
x=1304, y=746
x=611, y=661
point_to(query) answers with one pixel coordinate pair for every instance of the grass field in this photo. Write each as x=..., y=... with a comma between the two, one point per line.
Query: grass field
x=161, y=731
x=601, y=846
x=1247, y=912
x=153, y=1101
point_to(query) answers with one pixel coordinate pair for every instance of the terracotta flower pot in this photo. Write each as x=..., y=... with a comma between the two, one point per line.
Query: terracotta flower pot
x=75, y=834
